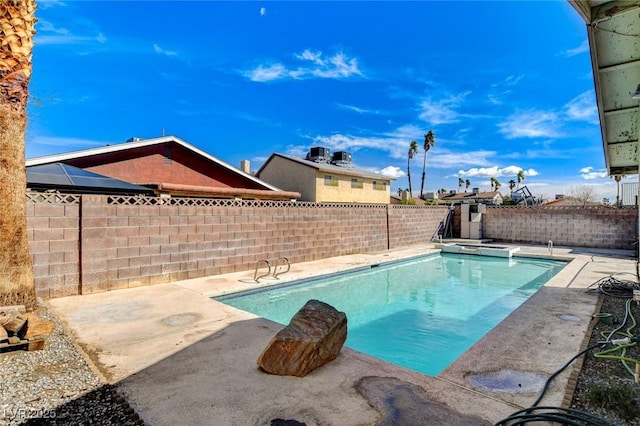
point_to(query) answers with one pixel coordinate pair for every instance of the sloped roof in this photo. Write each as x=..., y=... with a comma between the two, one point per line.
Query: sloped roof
x=68, y=178
x=613, y=31
x=328, y=168
x=138, y=143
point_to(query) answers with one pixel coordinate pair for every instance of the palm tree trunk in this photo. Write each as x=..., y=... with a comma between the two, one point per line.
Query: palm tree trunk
x=409, y=176
x=17, y=26
x=424, y=168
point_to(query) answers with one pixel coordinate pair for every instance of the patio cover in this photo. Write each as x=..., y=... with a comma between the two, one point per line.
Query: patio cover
x=613, y=28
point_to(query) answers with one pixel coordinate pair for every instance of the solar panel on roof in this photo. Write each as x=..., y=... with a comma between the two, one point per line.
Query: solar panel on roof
x=58, y=175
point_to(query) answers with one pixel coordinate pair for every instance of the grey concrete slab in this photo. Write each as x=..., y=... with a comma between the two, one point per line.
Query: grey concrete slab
x=183, y=358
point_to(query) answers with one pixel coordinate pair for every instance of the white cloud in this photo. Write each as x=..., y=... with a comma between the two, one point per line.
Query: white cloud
x=583, y=108
x=67, y=38
x=442, y=111
x=50, y=34
x=392, y=172
x=440, y=159
x=584, y=47
x=307, y=55
x=162, y=51
x=267, y=73
x=512, y=80
x=314, y=65
x=45, y=145
x=530, y=124
x=588, y=173
x=46, y=26
x=357, y=109
x=495, y=171
x=45, y=4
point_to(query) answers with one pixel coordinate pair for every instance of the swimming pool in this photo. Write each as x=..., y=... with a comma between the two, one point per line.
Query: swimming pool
x=421, y=314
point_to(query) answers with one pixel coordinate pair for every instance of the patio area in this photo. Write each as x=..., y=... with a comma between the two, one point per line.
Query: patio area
x=180, y=357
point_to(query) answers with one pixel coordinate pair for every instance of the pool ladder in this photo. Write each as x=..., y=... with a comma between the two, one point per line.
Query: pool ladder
x=281, y=261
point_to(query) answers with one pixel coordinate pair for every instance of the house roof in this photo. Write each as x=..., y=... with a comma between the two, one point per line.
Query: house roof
x=612, y=29
x=471, y=196
x=571, y=201
x=138, y=143
x=328, y=168
x=68, y=178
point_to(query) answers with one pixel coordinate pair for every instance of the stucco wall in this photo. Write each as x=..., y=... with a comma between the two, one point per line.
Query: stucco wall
x=344, y=193
x=290, y=176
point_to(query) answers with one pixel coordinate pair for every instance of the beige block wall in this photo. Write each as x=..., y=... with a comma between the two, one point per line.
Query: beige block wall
x=89, y=243
x=53, y=232
x=411, y=225
x=575, y=226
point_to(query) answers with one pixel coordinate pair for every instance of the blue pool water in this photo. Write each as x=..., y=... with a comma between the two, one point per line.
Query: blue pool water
x=421, y=314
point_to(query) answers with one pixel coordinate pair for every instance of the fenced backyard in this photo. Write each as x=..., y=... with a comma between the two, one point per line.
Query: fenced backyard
x=83, y=244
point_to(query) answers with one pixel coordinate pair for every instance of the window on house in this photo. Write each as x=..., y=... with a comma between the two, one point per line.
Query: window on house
x=380, y=186
x=356, y=183
x=330, y=180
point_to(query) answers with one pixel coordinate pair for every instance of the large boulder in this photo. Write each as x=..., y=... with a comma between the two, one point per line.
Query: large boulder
x=313, y=337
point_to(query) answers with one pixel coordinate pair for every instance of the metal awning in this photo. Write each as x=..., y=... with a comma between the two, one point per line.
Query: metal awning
x=613, y=29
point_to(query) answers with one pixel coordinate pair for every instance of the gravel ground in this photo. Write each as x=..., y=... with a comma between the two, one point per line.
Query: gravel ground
x=56, y=386
x=605, y=388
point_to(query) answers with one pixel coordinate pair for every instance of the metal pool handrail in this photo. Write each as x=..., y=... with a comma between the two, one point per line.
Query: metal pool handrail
x=256, y=278
x=275, y=268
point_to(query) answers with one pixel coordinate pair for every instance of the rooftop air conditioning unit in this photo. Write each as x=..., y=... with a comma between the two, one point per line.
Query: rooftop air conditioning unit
x=341, y=158
x=319, y=154
x=476, y=190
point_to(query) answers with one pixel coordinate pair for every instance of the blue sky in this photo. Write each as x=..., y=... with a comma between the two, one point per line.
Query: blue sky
x=505, y=85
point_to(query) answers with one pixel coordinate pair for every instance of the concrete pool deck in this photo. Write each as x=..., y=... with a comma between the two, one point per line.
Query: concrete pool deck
x=180, y=357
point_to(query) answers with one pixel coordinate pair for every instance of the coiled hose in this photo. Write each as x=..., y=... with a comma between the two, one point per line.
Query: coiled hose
x=609, y=286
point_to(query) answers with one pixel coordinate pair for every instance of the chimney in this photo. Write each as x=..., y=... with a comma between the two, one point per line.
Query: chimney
x=476, y=190
x=245, y=166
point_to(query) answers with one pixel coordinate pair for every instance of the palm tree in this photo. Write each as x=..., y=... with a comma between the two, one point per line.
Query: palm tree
x=16, y=272
x=413, y=151
x=618, y=178
x=460, y=183
x=497, y=184
x=512, y=184
x=467, y=184
x=429, y=142
x=520, y=177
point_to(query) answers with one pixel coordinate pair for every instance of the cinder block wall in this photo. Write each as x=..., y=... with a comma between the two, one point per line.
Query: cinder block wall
x=89, y=243
x=53, y=223
x=131, y=245
x=118, y=242
x=411, y=225
x=575, y=226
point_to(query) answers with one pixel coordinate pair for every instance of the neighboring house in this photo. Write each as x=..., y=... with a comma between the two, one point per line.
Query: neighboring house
x=322, y=179
x=72, y=180
x=570, y=201
x=491, y=197
x=169, y=165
